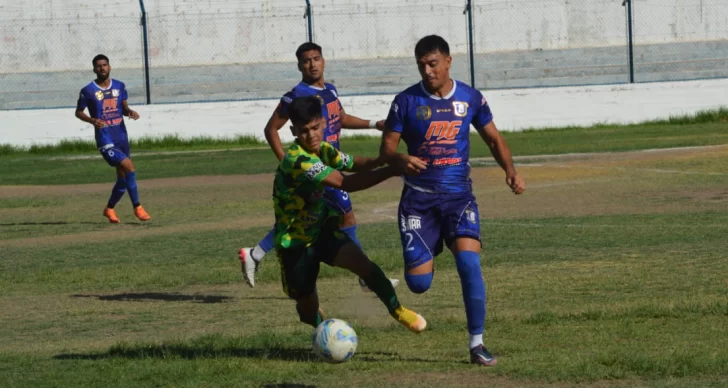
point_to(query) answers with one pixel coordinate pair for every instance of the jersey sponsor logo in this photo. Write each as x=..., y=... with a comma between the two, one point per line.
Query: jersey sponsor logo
x=99, y=95
x=115, y=92
x=332, y=138
x=423, y=112
x=287, y=99
x=110, y=105
x=461, y=108
x=447, y=161
x=314, y=170
x=334, y=109
x=443, y=129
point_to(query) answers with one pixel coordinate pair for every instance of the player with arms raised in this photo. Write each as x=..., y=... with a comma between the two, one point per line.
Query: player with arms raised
x=105, y=99
x=311, y=64
x=307, y=230
x=433, y=117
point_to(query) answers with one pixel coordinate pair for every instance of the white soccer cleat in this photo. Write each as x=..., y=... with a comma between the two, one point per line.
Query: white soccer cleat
x=365, y=288
x=248, y=266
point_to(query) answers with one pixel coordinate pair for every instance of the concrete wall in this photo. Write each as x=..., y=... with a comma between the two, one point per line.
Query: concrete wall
x=57, y=35
x=513, y=110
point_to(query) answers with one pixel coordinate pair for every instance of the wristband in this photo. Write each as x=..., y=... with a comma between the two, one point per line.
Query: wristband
x=373, y=124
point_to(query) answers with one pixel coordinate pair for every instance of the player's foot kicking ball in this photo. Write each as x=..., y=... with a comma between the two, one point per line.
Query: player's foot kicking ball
x=410, y=319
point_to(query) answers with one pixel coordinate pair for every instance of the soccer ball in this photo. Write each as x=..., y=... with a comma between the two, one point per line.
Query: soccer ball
x=334, y=341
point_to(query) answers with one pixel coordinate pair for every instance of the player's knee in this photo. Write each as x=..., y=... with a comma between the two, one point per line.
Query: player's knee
x=419, y=283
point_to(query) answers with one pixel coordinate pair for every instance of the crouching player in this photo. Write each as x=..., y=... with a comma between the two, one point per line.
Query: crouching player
x=305, y=232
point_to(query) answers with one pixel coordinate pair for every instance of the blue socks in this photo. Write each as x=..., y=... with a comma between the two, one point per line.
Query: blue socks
x=351, y=232
x=131, y=185
x=267, y=243
x=471, y=279
x=117, y=192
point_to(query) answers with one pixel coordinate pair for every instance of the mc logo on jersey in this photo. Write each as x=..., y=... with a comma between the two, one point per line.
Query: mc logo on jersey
x=444, y=130
x=423, y=112
x=461, y=108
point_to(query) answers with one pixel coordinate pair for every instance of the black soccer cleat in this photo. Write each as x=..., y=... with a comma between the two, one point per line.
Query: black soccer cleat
x=481, y=356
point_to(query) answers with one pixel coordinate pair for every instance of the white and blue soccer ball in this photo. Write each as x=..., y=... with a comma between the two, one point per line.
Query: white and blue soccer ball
x=334, y=341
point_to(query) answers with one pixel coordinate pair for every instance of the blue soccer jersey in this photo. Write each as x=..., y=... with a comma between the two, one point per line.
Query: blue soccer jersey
x=331, y=107
x=106, y=104
x=438, y=130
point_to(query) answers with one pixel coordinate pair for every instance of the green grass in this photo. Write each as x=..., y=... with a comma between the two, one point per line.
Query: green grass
x=209, y=156
x=608, y=272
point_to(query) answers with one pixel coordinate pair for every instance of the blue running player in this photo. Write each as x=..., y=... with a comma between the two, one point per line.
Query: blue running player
x=433, y=117
x=311, y=64
x=105, y=99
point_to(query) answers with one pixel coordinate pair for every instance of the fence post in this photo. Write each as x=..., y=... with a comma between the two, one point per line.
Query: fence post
x=146, y=51
x=628, y=3
x=309, y=16
x=471, y=51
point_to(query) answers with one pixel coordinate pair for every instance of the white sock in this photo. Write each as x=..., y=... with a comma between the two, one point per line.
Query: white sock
x=257, y=253
x=475, y=340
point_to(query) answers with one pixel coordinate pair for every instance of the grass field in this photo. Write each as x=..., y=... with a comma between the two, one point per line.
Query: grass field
x=609, y=272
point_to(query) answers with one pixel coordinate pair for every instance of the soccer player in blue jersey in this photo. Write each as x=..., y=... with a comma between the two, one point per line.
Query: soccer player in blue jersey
x=433, y=117
x=105, y=99
x=311, y=64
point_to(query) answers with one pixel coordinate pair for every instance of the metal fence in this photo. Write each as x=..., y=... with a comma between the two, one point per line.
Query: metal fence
x=169, y=56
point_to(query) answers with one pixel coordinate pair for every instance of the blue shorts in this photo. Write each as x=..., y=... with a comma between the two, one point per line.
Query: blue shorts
x=115, y=153
x=338, y=200
x=428, y=219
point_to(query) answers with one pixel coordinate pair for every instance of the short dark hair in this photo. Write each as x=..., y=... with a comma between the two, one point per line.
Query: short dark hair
x=308, y=46
x=431, y=44
x=303, y=110
x=98, y=58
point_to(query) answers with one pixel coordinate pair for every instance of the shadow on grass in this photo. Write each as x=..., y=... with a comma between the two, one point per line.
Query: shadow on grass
x=158, y=296
x=191, y=352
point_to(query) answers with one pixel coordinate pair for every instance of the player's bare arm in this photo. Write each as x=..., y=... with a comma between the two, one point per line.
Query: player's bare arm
x=363, y=163
x=360, y=180
x=132, y=114
x=352, y=122
x=411, y=165
x=502, y=154
x=97, y=123
x=277, y=120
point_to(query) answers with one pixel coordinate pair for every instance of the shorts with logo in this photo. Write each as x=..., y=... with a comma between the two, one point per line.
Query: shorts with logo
x=428, y=219
x=300, y=266
x=337, y=200
x=115, y=153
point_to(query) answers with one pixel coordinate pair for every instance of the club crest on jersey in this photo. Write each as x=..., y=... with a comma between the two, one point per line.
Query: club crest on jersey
x=115, y=92
x=461, y=108
x=99, y=95
x=423, y=112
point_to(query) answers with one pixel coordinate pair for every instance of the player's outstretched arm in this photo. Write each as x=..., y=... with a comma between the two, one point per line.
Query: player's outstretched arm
x=363, y=163
x=277, y=120
x=502, y=154
x=352, y=122
x=410, y=165
x=360, y=180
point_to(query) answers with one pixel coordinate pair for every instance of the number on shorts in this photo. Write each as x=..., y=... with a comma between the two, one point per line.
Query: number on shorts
x=110, y=153
x=410, y=237
x=344, y=195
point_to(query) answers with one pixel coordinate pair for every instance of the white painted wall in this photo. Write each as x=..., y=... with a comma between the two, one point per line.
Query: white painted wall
x=513, y=110
x=56, y=35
